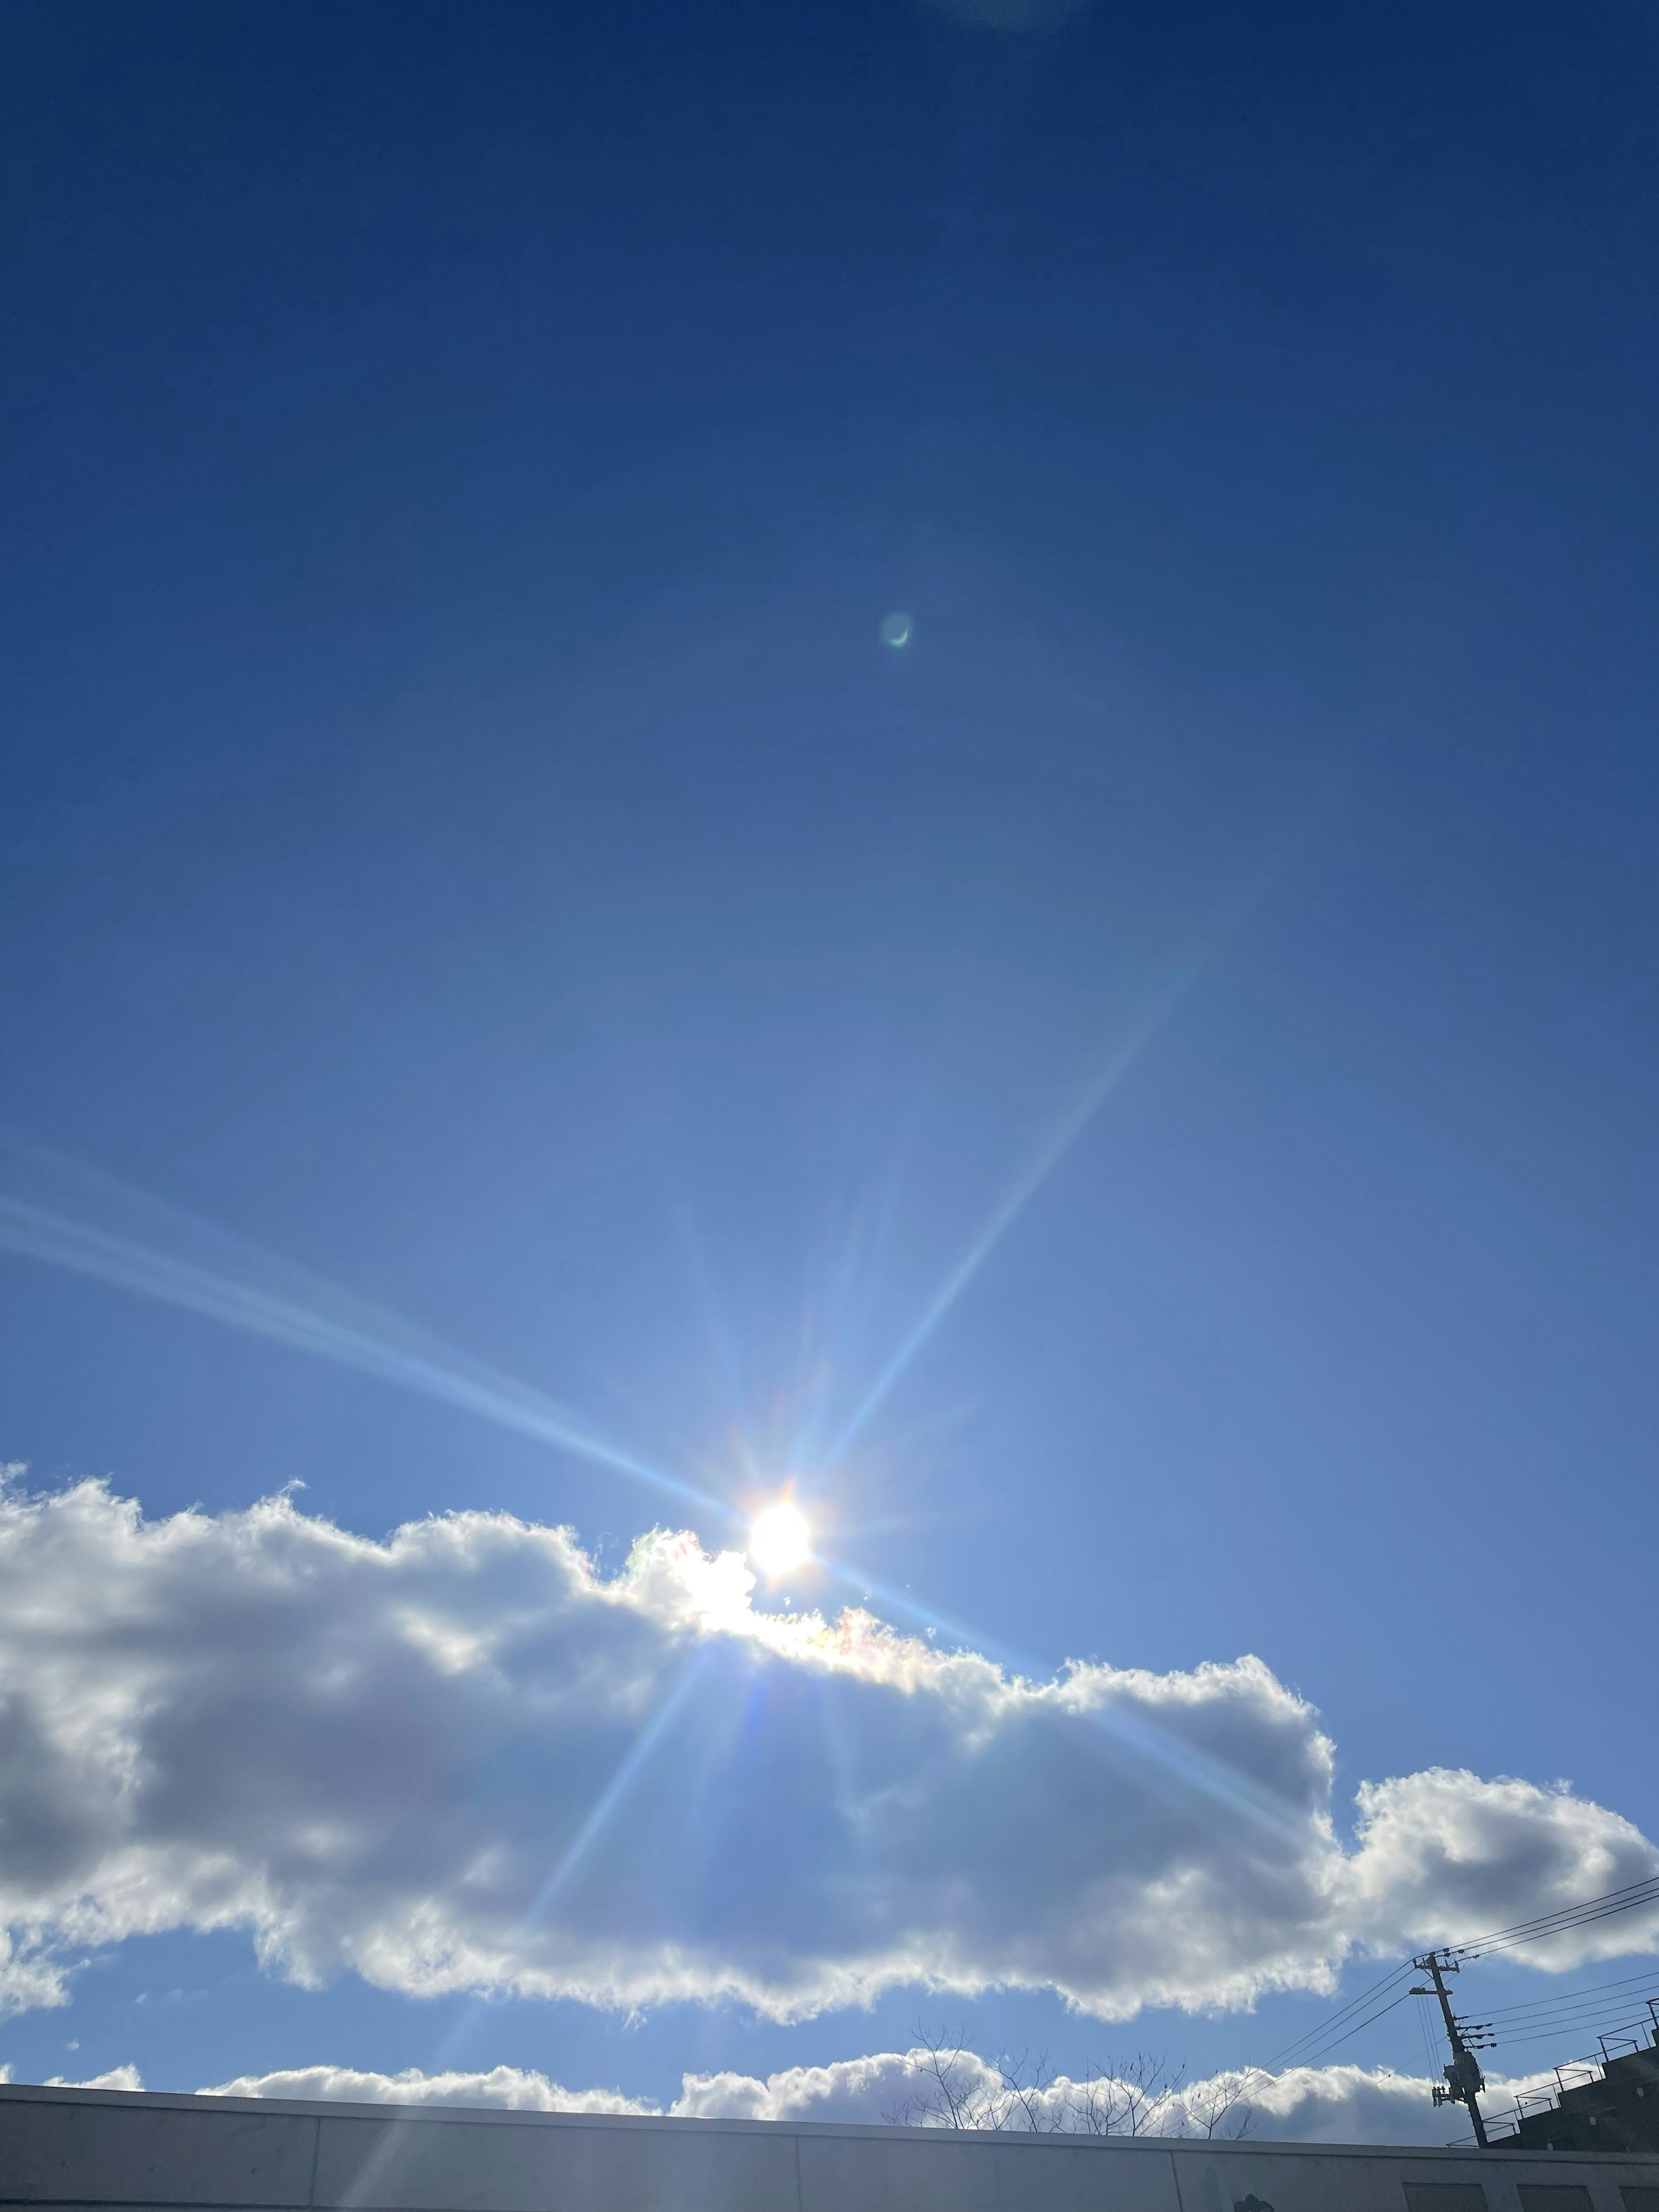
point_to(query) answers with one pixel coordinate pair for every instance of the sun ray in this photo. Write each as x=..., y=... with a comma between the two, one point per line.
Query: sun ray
x=56, y=1211
x=1020, y=1191
x=1161, y=1758
x=604, y=1806
x=1027, y=1183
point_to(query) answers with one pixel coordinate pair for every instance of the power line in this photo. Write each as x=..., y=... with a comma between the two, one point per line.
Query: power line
x=1615, y=2026
x=1630, y=1899
x=1584, y=1912
x=1424, y=2031
x=1582, y=2023
x=1323, y=2026
x=1464, y=2081
x=1336, y=2042
x=1509, y=2025
x=1567, y=1996
x=1635, y=1891
x=1510, y=2030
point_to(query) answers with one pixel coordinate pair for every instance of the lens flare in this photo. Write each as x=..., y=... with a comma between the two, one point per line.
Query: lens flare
x=780, y=1539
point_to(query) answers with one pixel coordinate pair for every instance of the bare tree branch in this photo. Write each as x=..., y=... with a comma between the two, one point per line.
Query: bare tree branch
x=1136, y=2095
x=1219, y=2108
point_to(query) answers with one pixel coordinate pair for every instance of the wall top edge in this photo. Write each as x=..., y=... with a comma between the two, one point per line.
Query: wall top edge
x=497, y=2116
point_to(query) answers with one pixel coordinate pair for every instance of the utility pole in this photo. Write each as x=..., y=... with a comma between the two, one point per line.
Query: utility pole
x=1464, y=2080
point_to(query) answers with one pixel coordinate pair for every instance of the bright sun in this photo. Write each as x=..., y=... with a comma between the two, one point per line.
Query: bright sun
x=780, y=1539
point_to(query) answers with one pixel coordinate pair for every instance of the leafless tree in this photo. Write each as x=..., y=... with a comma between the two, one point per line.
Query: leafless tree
x=951, y=2090
x=1218, y=2109
x=1139, y=2095
x=1134, y=2096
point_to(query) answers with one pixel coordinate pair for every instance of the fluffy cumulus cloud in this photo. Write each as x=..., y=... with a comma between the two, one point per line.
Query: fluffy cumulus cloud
x=1305, y=2104
x=463, y=1759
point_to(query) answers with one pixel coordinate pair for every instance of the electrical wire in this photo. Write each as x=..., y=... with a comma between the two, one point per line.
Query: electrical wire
x=1632, y=1892
x=1324, y=2025
x=1428, y=2013
x=1328, y=2035
x=1617, y=2028
x=1512, y=2024
x=1569, y=1996
x=1628, y=1899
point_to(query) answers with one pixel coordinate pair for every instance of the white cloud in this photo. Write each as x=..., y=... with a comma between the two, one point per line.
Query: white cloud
x=1305, y=2104
x=117, y=2077
x=851, y=2089
x=514, y=2088
x=1442, y=1856
x=1351, y=2104
x=1328, y=2104
x=393, y=1758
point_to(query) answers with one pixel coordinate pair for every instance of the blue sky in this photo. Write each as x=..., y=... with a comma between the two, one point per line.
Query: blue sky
x=1164, y=1058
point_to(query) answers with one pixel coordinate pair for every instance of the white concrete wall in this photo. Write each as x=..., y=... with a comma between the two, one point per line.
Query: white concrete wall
x=77, y=2148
